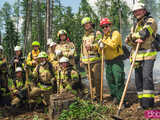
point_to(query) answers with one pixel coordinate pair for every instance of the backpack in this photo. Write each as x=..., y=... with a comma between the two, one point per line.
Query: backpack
x=156, y=42
x=126, y=52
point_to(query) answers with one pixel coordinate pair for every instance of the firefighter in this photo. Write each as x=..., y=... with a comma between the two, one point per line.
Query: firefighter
x=49, y=41
x=18, y=88
x=65, y=47
x=4, y=91
x=68, y=79
x=52, y=56
x=17, y=60
x=32, y=56
x=143, y=32
x=44, y=77
x=112, y=46
x=90, y=55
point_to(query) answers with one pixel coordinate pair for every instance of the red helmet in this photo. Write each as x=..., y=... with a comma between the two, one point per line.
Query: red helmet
x=105, y=21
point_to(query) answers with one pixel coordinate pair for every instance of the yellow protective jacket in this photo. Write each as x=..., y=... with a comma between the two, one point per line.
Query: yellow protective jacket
x=68, y=50
x=18, y=84
x=113, y=45
x=43, y=75
x=144, y=29
x=53, y=60
x=67, y=78
x=32, y=56
x=91, y=38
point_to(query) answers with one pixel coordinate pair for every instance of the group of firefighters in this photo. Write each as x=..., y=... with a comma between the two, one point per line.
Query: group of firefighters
x=55, y=71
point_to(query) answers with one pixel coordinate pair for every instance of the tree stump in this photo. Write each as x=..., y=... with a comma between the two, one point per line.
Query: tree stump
x=59, y=102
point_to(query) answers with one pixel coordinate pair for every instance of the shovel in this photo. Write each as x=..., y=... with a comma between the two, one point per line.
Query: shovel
x=126, y=86
x=27, y=85
x=89, y=77
x=102, y=72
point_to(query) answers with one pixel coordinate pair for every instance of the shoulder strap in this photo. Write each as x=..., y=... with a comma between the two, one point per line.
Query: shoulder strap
x=31, y=56
x=38, y=67
x=69, y=73
x=95, y=34
x=51, y=69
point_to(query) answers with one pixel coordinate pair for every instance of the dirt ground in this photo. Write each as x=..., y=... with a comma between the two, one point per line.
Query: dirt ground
x=129, y=113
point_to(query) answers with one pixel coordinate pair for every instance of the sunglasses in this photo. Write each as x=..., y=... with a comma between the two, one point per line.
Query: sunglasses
x=35, y=46
x=106, y=26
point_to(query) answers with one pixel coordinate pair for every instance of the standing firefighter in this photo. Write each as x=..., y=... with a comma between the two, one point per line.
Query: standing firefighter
x=32, y=56
x=68, y=78
x=3, y=75
x=52, y=55
x=44, y=77
x=18, y=89
x=142, y=32
x=112, y=45
x=90, y=57
x=17, y=60
x=49, y=41
x=65, y=47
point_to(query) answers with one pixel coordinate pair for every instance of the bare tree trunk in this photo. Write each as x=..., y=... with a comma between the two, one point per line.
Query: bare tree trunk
x=51, y=19
x=0, y=38
x=30, y=25
x=48, y=19
x=26, y=29
x=38, y=20
x=120, y=17
x=18, y=18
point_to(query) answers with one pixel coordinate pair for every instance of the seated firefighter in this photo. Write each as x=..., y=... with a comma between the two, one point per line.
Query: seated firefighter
x=4, y=91
x=32, y=56
x=18, y=88
x=52, y=56
x=44, y=78
x=68, y=79
x=17, y=61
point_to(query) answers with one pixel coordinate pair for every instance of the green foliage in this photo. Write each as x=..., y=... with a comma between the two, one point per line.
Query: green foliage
x=153, y=7
x=117, y=11
x=64, y=18
x=10, y=39
x=83, y=110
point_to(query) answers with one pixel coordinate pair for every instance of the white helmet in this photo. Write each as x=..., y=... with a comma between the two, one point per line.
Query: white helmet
x=17, y=48
x=19, y=69
x=63, y=59
x=49, y=40
x=138, y=6
x=52, y=44
x=1, y=47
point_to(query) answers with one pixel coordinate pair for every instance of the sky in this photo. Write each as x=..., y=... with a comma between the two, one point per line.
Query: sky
x=73, y=3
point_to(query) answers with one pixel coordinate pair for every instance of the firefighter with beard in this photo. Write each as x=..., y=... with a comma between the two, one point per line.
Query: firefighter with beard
x=143, y=32
x=65, y=47
x=44, y=78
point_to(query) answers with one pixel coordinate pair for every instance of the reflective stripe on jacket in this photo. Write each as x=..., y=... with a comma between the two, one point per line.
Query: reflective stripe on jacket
x=144, y=29
x=30, y=58
x=91, y=39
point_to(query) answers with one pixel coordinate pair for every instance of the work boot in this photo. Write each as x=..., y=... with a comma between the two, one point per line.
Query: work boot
x=139, y=107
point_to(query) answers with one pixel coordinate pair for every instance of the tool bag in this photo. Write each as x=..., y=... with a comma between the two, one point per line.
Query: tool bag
x=156, y=42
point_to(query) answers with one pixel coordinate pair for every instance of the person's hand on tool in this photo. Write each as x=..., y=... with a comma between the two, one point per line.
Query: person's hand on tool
x=34, y=62
x=81, y=64
x=16, y=61
x=139, y=41
x=101, y=44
